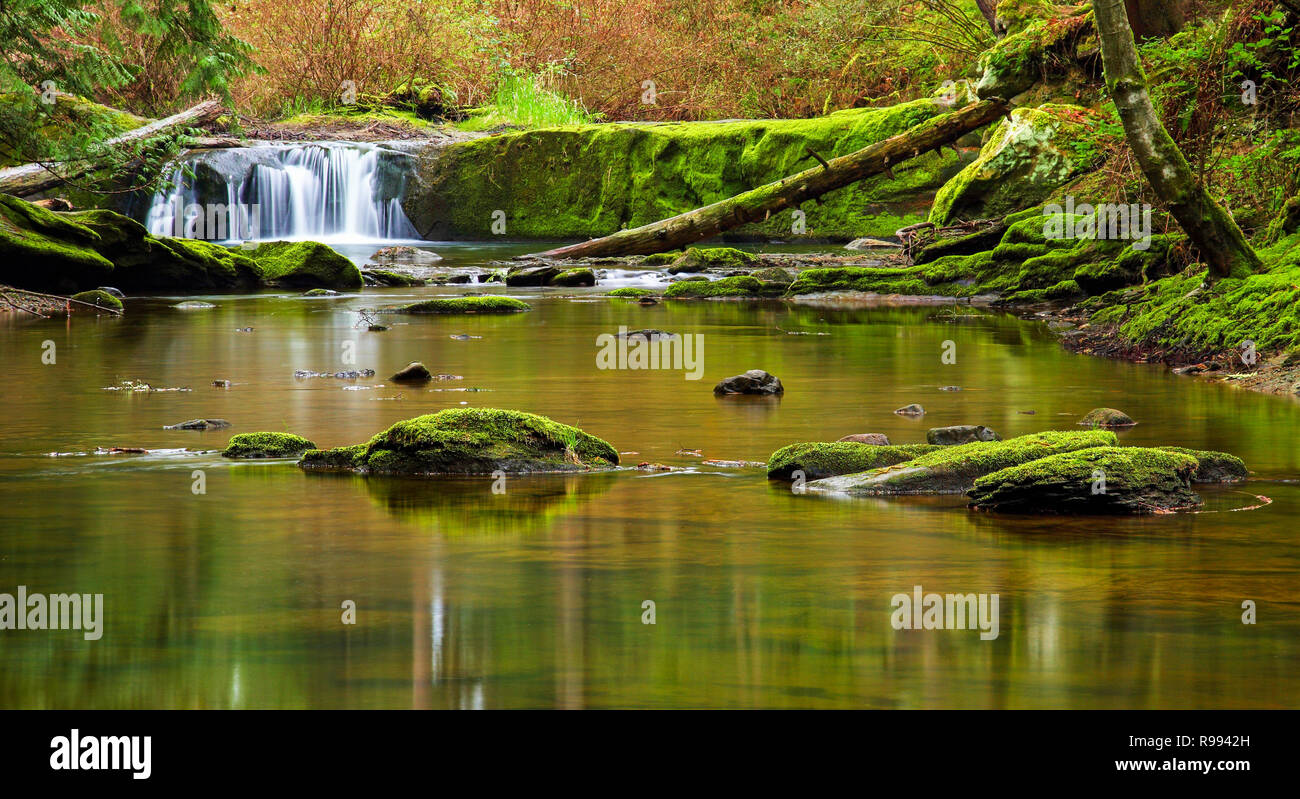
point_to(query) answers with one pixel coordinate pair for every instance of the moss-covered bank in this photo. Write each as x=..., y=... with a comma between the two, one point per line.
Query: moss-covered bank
x=592, y=180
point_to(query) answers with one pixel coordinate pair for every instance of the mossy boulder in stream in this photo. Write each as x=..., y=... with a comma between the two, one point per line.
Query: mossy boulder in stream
x=1100, y=480
x=827, y=459
x=1214, y=467
x=306, y=264
x=98, y=298
x=738, y=286
x=576, y=182
x=486, y=303
x=952, y=470
x=470, y=441
x=266, y=445
x=699, y=259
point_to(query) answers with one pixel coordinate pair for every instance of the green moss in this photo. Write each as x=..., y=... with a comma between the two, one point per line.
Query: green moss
x=306, y=264
x=740, y=286
x=1106, y=417
x=827, y=459
x=1136, y=480
x=99, y=298
x=581, y=276
x=593, y=180
x=1214, y=467
x=698, y=259
x=465, y=305
x=661, y=258
x=773, y=274
x=266, y=445
x=471, y=441
x=954, y=469
x=631, y=291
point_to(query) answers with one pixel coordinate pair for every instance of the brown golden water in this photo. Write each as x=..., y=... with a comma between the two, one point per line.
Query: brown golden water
x=533, y=597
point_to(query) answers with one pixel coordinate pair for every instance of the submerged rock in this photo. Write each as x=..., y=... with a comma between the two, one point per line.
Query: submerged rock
x=875, y=439
x=470, y=441
x=827, y=459
x=266, y=445
x=911, y=410
x=755, y=381
x=199, y=424
x=484, y=303
x=953, y=470
x=960, y=434
x=1107, y=417
x=305, y=264
x=351, y=374
x=1101, y=480
x=414, y=372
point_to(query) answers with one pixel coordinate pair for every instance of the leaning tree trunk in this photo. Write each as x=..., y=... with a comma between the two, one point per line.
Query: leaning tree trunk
x=1210, y=228
x=32, y=178
x=989, y=8
x=759, y=203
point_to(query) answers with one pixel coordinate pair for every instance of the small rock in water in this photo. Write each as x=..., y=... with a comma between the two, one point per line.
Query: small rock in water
x=911, y=410
x=320, y=293
x=243, y=330
x=193, y=306
x=950, y=388
x=221, y=383
x=960, y=434
x=755, y=381
x=648, y=334
x=377, y=328
x=1107, y=417
x=876, y=439
x=199, y=424
x=463, y=336
x=734, y=464
x=647, y=466
x=414, y=372
x=403, y=254
x=694, y=453
x=1027, y=413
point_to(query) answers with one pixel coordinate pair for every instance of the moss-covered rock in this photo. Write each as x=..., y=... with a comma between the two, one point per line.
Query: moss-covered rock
x=952, y=470
x=1214, y=467
x=700, y=259
x=306, y=264
x=266, y=445
x=387, y=277
x=1045, y=39
x=581, y=276
x=1106, y=417
x=827, y=459
x=1100, y=480
x=631, y=291
x=470, y=441
x=1025, y=159
x=593, y=180
x=98, y=298
x=661, y=258
x=485, y=303
x=739, y=286
x=68, y=252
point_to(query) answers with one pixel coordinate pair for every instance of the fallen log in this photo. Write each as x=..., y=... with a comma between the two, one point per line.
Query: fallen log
x=759, y=203
x=39, y=176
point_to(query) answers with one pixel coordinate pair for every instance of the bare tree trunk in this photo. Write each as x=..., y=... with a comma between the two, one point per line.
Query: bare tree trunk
x=1210, y=228
x=1155, y=18
x=32, y=178
x=759, y=203
x=989, y=8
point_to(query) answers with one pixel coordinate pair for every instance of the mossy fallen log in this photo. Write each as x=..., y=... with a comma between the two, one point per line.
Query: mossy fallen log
x=758, y=203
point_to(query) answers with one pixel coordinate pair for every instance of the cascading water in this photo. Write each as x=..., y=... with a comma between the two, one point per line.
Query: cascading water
x=320, y=191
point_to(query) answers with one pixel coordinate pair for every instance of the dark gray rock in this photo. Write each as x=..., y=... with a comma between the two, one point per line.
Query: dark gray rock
x=755, y=381
x=960, y=434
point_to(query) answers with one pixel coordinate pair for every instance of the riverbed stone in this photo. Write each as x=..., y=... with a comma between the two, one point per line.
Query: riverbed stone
x=477, y=304
x=1099, y=480
x=470, y=441
x=414, y=372
x=876, y=439
x=403, y=254
x=98, y=298
x=531, y=275
x=960, y=434
x=911, y=410
x=953, y=470
x=1106, y=417
x=700, y=259
x=582, y=276
x=266, y=445
x=199, y=424
x=755, y=381
x=817, y=460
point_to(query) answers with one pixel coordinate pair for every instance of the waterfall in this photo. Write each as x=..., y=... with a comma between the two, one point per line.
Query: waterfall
x=321, y=191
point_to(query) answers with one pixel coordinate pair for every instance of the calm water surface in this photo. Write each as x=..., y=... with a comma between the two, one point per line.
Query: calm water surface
x=533, y=598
